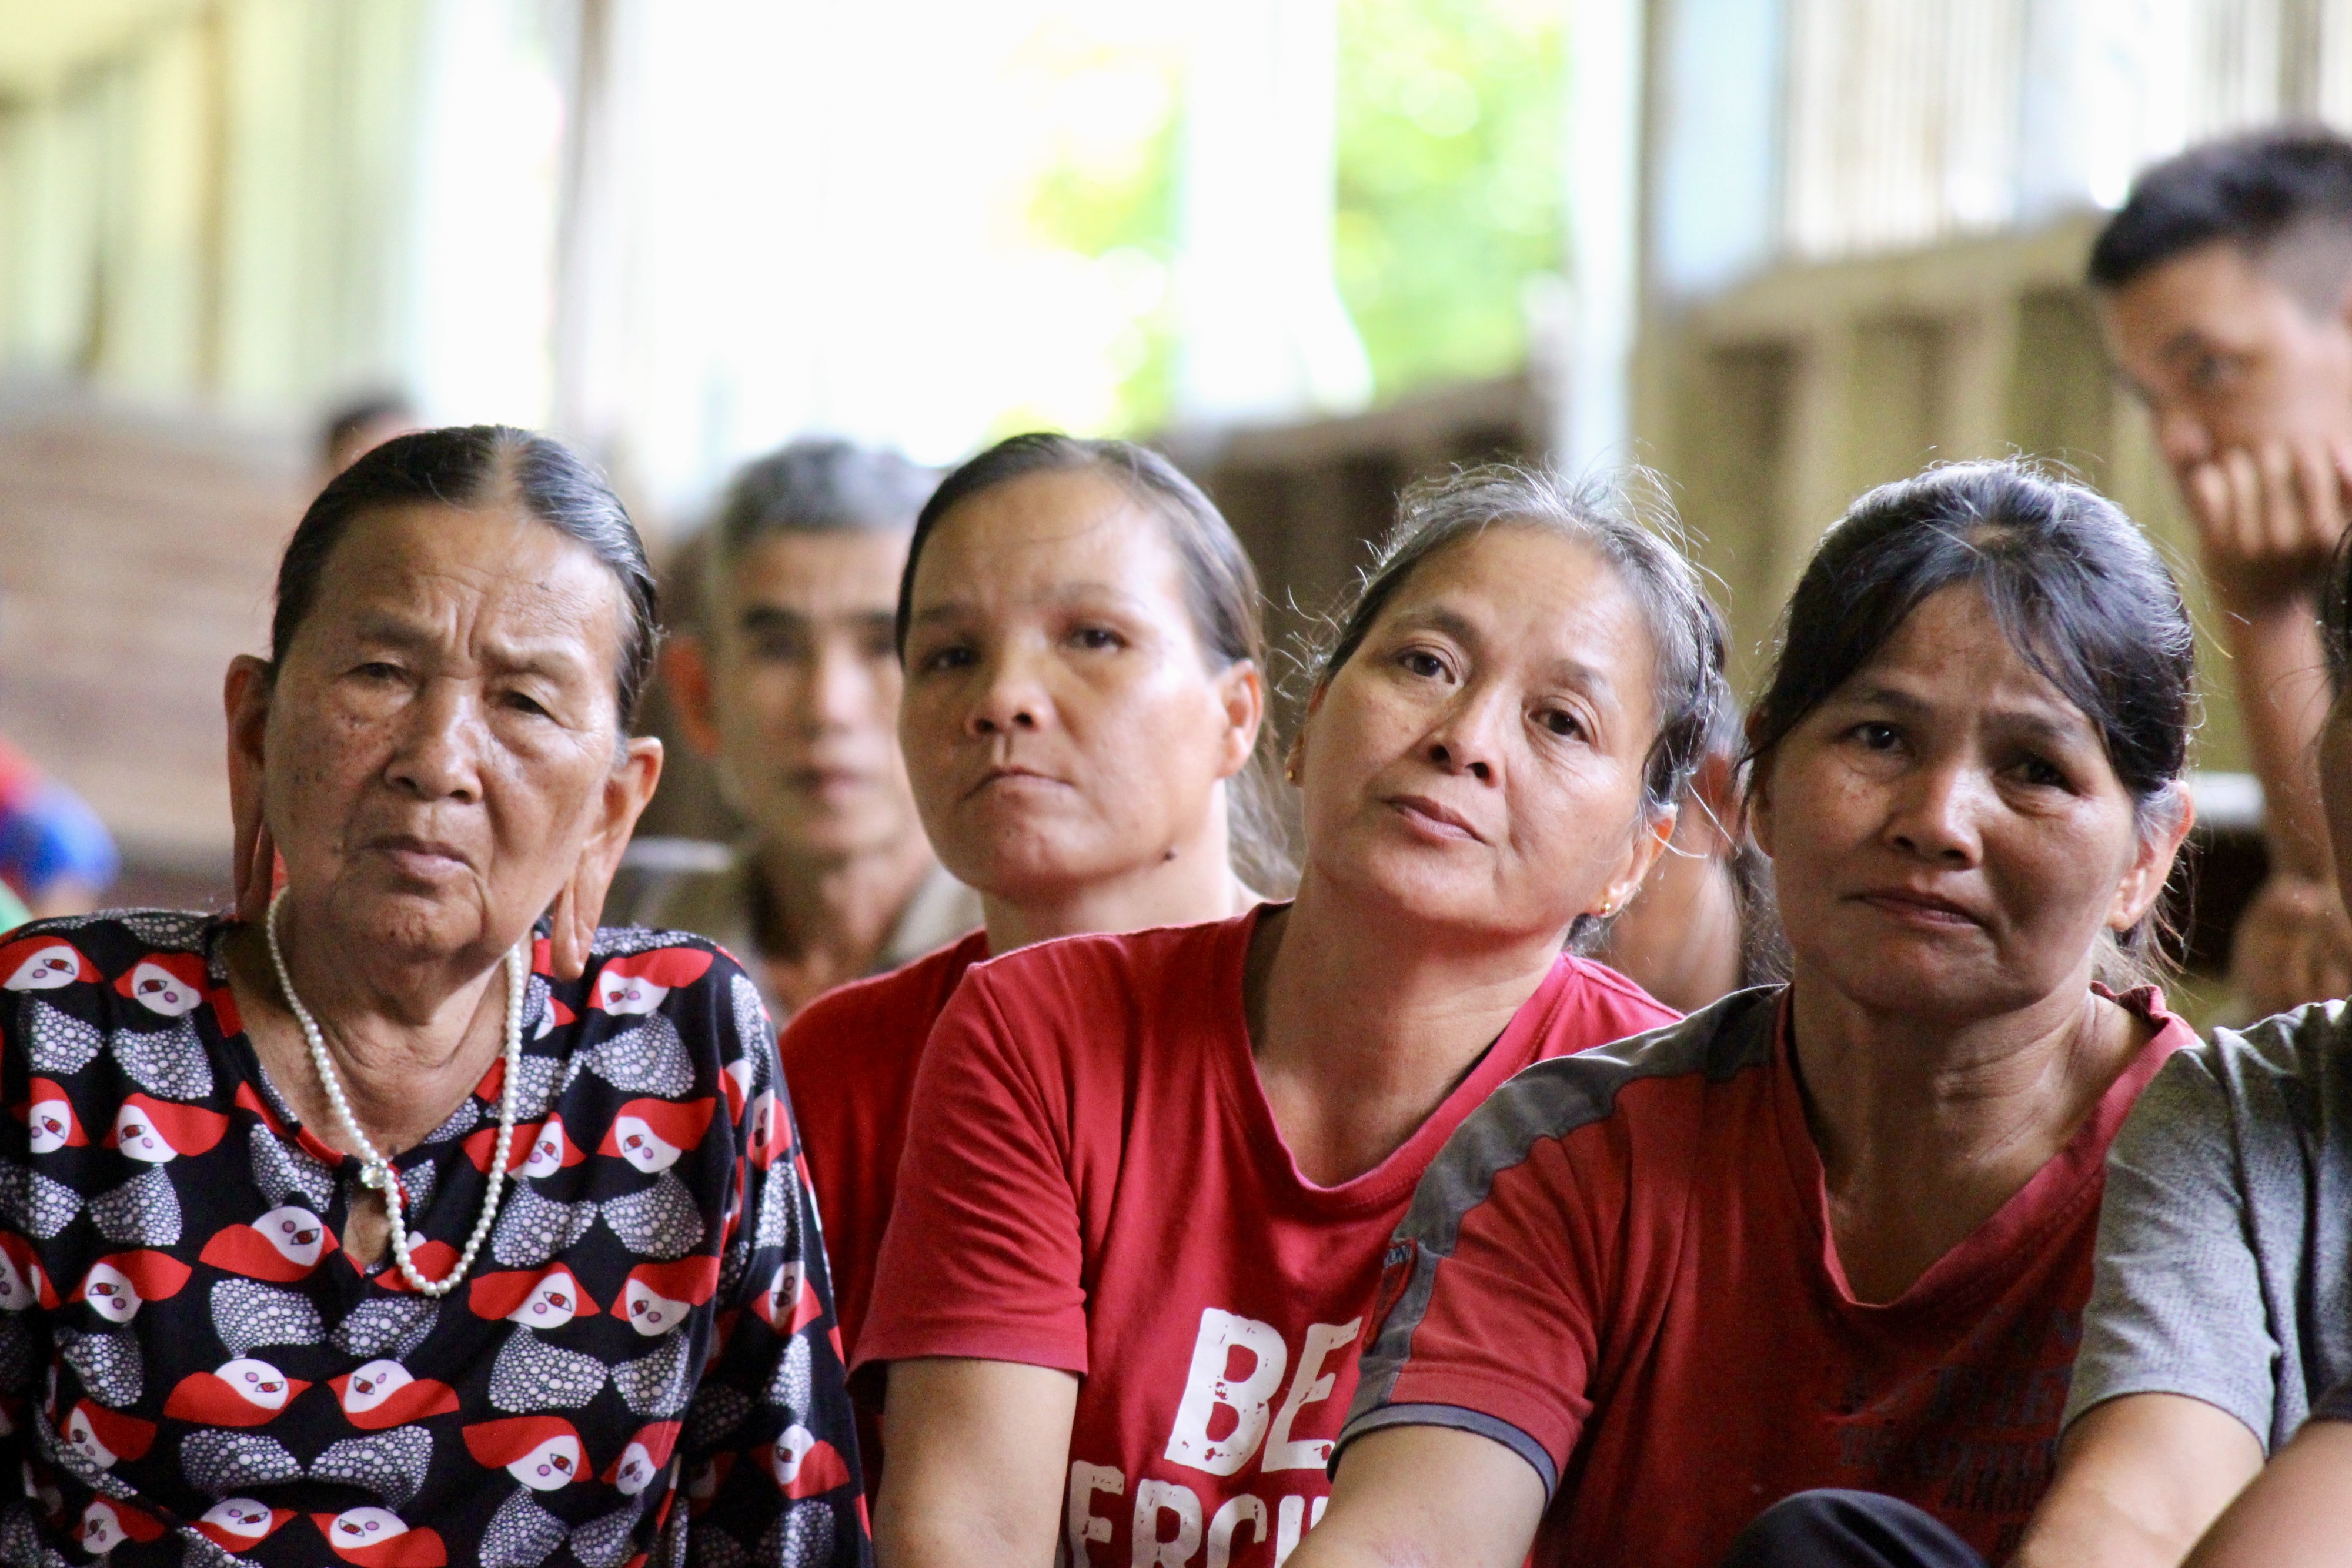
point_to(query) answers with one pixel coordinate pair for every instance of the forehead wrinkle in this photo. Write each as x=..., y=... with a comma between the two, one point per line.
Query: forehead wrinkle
x=546, y=642
x=1053, y=596
x=2056, y=721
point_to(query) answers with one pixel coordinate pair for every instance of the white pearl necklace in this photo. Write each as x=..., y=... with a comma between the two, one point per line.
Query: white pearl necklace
x=375, y=1170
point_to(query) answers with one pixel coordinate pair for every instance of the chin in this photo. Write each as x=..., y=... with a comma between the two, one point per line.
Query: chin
x=1409, y=885
x=1029, y=873
x=409, y=923
x=1901, y=984
x=837, y=833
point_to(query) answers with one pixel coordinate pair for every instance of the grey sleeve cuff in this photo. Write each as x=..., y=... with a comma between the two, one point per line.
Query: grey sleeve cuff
x=1461, y=1420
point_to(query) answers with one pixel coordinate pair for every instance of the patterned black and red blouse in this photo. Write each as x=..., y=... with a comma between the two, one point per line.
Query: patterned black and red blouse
x=641, y=1368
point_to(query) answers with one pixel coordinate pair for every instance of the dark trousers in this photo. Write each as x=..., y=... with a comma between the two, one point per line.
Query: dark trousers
x=1848, y=1529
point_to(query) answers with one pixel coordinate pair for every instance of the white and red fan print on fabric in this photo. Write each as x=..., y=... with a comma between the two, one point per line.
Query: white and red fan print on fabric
x=207, y=1337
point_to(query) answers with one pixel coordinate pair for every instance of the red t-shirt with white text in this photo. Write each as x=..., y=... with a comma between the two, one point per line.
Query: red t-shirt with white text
x=1093, y=1181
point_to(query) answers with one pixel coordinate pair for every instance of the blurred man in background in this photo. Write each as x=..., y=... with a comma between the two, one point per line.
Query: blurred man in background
x=2224, y=289
x=790, y=685
x=362, y=426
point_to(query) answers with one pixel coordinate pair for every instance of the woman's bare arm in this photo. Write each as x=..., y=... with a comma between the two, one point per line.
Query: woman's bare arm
x=978, y=1453
x=2139, y=1480
x=2298, y=1512
x=1414, y=1497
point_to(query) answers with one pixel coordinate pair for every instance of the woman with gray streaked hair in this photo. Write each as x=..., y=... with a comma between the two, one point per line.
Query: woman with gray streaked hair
x=1149, y=1177
x=407, y=1215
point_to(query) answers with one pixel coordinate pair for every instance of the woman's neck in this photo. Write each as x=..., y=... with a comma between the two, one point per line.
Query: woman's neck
x=1362, y=1024
x=1191, y=883
x=1926, y=1127
x=406, y=1049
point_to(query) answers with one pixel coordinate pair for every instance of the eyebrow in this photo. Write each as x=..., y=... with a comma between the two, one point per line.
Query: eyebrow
x=1062, y=594
x=2036, y=723
x=1461, y=629
x=2188, y=339
x=550, y=656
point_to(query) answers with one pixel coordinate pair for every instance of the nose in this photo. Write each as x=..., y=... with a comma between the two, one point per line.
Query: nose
x=2182, y=437
x=1467, y=738
x=439, y=753
x=841, y=692
x=1935, y=816
x=1014, y=700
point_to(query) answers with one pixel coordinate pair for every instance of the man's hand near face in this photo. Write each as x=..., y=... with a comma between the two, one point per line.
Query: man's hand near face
x=2268, y=524
x=2268, y=521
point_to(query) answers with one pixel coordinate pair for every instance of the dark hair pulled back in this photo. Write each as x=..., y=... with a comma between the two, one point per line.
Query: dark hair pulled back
x=1221, y=593
x=473, y=465
x=2073, y=583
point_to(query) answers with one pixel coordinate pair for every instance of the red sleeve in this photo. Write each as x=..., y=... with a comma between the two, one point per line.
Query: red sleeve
x=982, y=1258
x=1495, y=1291
x=1512, y=1328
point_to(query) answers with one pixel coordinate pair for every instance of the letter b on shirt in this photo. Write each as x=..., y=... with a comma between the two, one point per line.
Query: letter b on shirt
x=1237, y=1367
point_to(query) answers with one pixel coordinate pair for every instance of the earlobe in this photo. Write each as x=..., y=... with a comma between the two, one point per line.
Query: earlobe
x=254, y=857
x=2160, y=852
x=1243, y=696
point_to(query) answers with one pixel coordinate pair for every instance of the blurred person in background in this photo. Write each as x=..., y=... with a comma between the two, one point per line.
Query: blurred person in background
x=2225, y=292
x=56, y=856
x=360, y=427
x=400, y=1215
x=790, y=688
x=1702, y=925
x=1085, y=647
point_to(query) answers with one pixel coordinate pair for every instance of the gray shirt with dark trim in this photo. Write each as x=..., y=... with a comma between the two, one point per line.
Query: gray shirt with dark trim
x=2224, y=1264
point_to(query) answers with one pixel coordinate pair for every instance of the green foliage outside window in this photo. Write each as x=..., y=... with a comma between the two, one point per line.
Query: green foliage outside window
x=1452, y=116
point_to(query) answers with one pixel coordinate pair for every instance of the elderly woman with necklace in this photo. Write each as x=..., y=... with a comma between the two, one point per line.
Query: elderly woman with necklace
x=408, y=1219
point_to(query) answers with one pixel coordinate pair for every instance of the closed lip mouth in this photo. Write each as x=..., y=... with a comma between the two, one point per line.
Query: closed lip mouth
x=431, y=849
x=1923, y=902
x=997, y=775
x=1423, y=806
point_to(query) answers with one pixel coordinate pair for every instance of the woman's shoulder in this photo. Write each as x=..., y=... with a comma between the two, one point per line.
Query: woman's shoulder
x=634, y=971
x=1610, y=995
x=1560, y=1094
x=1086, y=969
x=2293, y=1069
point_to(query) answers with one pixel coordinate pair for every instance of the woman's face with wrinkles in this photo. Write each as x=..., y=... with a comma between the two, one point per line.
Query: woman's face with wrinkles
x=1062, y=724
x=1947, y=835
x=1477, y=762
x=442, y=732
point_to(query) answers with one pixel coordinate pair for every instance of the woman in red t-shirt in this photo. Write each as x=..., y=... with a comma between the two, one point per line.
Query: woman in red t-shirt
x=1148, y=1179
x=1084, y=657
x=1837, y=1234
